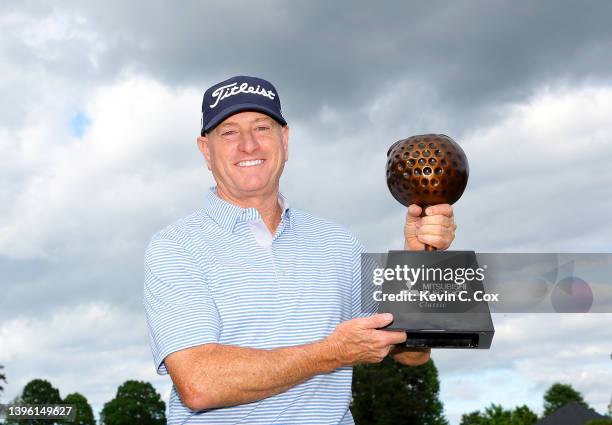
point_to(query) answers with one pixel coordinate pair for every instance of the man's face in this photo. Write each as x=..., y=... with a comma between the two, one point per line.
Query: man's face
x=246, y=154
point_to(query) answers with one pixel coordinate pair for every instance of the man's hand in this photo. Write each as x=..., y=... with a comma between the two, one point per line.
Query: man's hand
x=437, y=228
x=360, y=341
x=410, y=356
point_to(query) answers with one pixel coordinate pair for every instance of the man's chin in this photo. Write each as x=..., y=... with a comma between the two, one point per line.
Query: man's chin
x=255, y=189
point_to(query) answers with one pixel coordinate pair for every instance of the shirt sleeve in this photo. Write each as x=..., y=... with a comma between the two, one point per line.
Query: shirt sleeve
x=179, y=307
x=363, y=303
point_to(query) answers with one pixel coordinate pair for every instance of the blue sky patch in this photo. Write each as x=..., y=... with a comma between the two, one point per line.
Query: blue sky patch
x=79, y=124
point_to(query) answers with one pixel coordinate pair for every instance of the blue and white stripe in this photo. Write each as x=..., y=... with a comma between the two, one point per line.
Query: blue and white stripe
x=210, y=278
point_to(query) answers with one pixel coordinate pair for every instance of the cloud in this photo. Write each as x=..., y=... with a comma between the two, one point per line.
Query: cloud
x=138, y=142
x=476, y=54
x=90, y=348
x=530, y=170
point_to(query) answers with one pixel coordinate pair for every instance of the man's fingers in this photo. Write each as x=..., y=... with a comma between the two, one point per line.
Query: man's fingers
x=438, y=219
x=394, y=337
x=390, y=337
x=444, y=209
x=437, y=241
x=377, y=321
x=435, y=229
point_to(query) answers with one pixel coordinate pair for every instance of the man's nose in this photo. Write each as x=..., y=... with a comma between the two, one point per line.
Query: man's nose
x=248, y=142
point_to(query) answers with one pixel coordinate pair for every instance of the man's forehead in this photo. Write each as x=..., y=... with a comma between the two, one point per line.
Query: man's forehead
x=245, y=117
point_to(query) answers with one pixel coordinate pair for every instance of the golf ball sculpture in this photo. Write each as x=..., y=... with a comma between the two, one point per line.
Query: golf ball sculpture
x=426, y=170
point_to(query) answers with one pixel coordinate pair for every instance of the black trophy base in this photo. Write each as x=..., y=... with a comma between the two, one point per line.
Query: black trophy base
x=442, y=324
x=479, y=334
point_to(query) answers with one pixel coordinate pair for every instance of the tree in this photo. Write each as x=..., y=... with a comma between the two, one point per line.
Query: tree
x=135, y=402
x=16, y=400
x=84, y=413
x=558, y=395
x=473, y=418
x=599, y=422
x=523, y=415
x=497, y=415
x=2, y=378
x=40, y=391
x=390, y=393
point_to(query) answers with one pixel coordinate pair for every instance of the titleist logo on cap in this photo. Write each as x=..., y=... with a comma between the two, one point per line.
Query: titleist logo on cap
x=233, y=89
x=238, y=94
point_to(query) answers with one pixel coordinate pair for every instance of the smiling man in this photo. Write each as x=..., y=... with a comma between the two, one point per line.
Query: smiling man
x=253, y=306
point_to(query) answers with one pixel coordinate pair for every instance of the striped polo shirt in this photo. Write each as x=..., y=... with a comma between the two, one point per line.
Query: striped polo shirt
x=216, y=276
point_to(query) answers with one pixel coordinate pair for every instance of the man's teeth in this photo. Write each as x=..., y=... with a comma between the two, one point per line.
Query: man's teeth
x=250, y=163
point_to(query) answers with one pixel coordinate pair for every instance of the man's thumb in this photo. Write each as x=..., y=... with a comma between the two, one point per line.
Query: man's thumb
x=414, y=212
x=379, y=320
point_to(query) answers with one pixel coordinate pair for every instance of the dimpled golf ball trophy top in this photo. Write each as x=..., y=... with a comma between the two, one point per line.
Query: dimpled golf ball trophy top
x=426, y=170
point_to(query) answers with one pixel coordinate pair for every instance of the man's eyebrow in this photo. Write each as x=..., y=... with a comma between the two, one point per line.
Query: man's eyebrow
x=228, y=123
x=262, y=119
x=225, y=124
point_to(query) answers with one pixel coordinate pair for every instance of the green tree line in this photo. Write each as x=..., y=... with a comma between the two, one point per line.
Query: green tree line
x=135, y=403
x=383, y=394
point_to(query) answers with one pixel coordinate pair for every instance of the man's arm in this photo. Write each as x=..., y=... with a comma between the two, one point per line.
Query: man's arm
x=215, y=375
x=410, y=356
x=437, y=229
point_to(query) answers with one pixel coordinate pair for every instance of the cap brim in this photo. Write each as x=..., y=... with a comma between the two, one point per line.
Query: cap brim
x=234, y=109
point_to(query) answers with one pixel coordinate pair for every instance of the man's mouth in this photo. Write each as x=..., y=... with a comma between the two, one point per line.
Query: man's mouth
x=250, y=163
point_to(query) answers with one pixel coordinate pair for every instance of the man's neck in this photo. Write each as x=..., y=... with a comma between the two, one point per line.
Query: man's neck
x=266, y=205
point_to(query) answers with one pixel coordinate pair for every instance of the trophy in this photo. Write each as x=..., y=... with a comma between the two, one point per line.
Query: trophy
x=427, y=170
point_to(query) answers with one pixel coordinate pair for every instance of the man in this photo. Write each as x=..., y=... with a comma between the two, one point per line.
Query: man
x=254, y=307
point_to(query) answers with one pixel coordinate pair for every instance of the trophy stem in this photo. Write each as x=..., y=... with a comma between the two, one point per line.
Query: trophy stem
x=427, y=247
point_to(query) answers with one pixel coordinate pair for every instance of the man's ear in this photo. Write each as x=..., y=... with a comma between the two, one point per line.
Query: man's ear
x=285, y=135
x=203, y=147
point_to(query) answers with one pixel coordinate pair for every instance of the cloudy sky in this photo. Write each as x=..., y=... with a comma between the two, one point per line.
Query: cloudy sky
x=101, y=107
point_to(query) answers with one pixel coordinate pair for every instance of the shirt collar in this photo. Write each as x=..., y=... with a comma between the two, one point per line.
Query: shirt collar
x=226, y=214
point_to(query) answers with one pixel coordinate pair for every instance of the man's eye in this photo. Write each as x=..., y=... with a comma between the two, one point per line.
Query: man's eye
x=263, y=128
x=229, y=133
